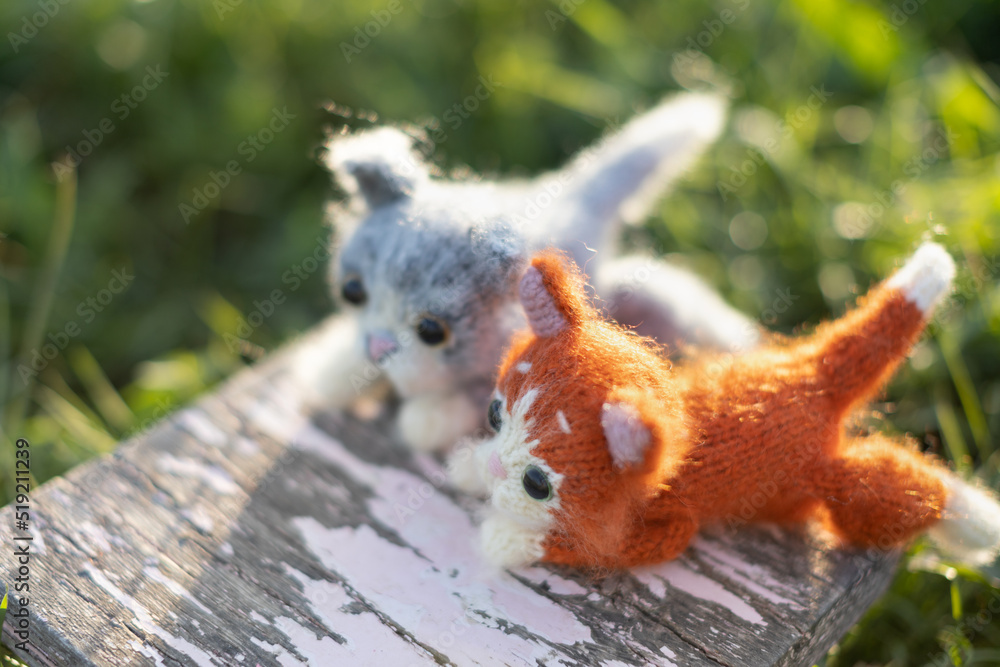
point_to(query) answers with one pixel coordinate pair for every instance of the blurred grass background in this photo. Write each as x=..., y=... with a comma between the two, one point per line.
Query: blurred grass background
x=858, y=129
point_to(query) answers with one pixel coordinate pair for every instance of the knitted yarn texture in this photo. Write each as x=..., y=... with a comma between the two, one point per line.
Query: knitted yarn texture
x=606, y=456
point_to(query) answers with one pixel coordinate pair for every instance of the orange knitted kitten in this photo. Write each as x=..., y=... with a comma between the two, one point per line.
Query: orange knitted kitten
x=606, y=456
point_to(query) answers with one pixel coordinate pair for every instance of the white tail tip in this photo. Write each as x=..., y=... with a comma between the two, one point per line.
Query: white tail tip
x=926, y=277
x=700, y=114
x=969, y=530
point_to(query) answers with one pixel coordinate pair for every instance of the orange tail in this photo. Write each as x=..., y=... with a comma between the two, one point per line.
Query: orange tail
x=856, y=354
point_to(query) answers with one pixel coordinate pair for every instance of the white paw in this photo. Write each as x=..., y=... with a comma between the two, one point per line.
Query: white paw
x=507, y=543
x=464, y=468
x=330, y=368
x=969, y=529
x=434, y=423
x=926, y=276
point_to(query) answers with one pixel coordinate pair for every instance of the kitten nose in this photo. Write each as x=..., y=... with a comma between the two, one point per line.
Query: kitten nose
x=496, y=467
x=380, y=345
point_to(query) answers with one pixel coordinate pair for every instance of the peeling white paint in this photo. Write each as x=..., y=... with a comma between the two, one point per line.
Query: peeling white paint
x=58, y=496
x=212, y=476
x=757, y=578
x=152, y=572
x=317, y=650
x=200, y=518
x=146, y=651
x=369, y=640
x=246, y=447
x=278, y=424
x=557, y=585
x=143, y=618
x=278, y=412
x=96, y=539
x=460, y=616
x=429, y=466
x=200, y=426
x=279, y=652
x=438, y=587
x=678, y=575
x=38, y=539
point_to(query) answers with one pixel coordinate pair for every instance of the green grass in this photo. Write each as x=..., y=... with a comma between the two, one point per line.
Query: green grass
x=910, y=132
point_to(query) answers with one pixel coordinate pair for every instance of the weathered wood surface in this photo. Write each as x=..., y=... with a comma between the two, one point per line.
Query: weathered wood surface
x=242, y=532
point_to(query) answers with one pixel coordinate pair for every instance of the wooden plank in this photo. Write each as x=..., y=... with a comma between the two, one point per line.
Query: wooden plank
x=242, y=531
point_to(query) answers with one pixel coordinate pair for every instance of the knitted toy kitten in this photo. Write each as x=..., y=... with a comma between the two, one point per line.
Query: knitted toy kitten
x=607, y=456
x=428, y=267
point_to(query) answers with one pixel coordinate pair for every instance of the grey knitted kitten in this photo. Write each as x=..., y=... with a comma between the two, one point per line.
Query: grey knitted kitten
x=428, y=267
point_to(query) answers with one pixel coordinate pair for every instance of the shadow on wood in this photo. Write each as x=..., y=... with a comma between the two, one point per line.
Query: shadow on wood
x=243, y=532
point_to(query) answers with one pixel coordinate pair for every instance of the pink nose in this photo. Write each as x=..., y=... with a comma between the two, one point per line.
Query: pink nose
x=381, y=345
x=496, y=468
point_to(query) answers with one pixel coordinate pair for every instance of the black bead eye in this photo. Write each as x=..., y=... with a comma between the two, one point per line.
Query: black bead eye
x=536, y=483
x=354, y=291
x=493, y=415
x=432, y=331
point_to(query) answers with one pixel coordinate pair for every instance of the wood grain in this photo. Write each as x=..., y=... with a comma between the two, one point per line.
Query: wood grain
x=243, y=531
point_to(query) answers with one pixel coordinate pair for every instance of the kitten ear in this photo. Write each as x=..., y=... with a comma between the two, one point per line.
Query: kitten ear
x=628, y=436
x=380, y=165
x=498, y=249
x=551, y=293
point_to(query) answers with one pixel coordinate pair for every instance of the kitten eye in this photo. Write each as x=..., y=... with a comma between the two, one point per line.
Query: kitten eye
x=354, y=291
x=432, y=331
x=536, y=483
x=493, y=415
